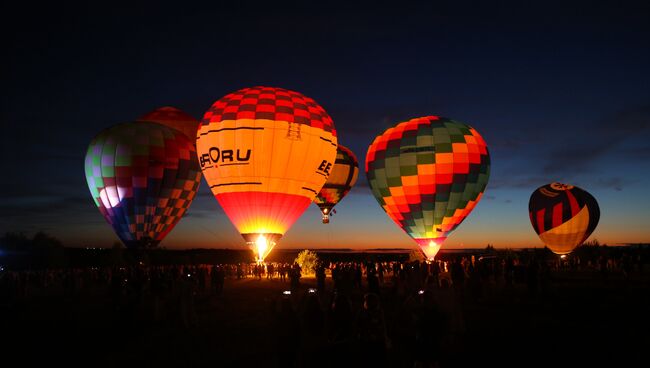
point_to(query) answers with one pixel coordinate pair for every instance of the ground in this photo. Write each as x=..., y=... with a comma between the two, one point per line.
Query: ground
x=582, y=320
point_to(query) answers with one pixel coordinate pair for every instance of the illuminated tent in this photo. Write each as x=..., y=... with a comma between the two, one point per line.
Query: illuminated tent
x=175, y=119
x=143, y=176
x=342, y=178
x=265, y=152
x=428, y=174
x=563, y=216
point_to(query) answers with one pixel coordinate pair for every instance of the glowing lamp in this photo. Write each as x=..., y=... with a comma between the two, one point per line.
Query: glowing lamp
x=262, y=247
x=430, y=247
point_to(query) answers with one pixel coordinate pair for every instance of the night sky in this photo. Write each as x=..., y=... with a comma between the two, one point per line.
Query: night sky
x=560, y=92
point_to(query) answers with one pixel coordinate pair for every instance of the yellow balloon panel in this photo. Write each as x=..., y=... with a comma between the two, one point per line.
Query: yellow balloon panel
x=340, y=176
x=564, y=238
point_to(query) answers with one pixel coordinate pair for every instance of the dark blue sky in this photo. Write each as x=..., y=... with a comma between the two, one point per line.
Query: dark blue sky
x=559, y=90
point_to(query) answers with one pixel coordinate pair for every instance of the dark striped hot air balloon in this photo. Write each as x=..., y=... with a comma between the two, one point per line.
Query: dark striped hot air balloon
x=563, y=216
x=342, y=178
x=428, y=174
x=265, y=152
x=142, y=176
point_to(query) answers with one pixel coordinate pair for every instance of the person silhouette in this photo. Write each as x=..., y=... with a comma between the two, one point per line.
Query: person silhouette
x=372, y=335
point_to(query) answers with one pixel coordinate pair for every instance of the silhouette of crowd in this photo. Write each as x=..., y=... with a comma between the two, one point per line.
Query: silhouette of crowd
x=402, y=314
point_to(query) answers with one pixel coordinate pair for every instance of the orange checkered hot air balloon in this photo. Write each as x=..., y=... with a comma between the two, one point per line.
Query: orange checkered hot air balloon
x=428, y=174
x=265, y=152
x=342, y=178
x=563, y=216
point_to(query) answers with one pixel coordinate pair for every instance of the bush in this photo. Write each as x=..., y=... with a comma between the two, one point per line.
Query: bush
x=308, y=261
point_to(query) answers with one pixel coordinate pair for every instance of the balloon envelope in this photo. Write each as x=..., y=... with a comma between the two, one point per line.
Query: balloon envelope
x=342, y=178
x=563, y=216
x=143, y=176
x=265, y=152
x=428, y=174
x=174, y=118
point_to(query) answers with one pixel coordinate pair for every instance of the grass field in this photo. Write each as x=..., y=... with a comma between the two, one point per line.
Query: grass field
x=582, y=320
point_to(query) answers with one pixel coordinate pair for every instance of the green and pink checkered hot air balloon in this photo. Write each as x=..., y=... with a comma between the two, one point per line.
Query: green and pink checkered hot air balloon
x=142, y=176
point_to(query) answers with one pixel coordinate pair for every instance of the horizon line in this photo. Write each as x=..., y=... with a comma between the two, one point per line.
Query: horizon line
x=359, y=249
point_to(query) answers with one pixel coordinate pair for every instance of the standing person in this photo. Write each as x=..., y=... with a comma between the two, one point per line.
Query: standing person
x=313, y=332
x=458, y=276
x=358, y=273
x=186, y=300
x=371, y=332
x=287, y=337
x=295, y=274
x=545, y=278
x=603, y=264
x=320, y=277
x=452, y=312
x=508, y=271
x=532, y=277
x=240, y=271
x=214, y=274
x=269, y=271
x=373, y=281
x=340, y=323
x=116, y=288
x=283, y=272
x=431, y=328
x=218, y=276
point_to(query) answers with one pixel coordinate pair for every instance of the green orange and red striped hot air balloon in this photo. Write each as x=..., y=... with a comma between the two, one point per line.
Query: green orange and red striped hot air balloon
x=563, y=216
x=342, y=178
x=142, y=176
x=428, y=174
x=265, y=152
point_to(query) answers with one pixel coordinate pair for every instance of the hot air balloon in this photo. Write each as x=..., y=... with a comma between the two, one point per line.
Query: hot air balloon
x=265, y=152
x=563, y=216
x=143, y=176
x=342, y=178
x=428, y=174
x=175, y=119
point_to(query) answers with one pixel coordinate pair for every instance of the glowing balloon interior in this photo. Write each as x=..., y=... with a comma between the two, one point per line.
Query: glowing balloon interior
x=428, y=174
x=342, y=178
x=142, y=176
x=429, y=249
x=263, y=247
x=563, y=216
x=265, y=152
